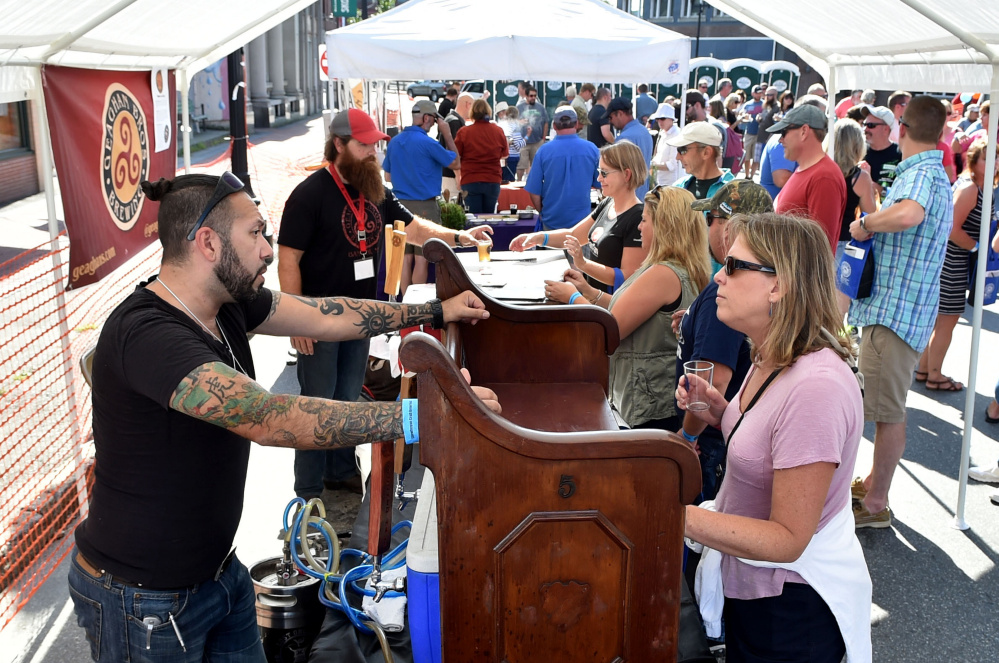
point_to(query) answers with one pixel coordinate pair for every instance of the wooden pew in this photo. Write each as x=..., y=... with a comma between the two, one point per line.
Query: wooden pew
x=560, y=536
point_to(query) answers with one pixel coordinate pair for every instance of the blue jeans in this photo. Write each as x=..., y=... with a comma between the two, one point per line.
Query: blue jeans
x=481, y=197
x=510, y=169
x=217, y=619
x=334, y=371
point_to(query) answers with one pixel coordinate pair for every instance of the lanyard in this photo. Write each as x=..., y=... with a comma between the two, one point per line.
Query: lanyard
x=359, y=210
x=749, y=407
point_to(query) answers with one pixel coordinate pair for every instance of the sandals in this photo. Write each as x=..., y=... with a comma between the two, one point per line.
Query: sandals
x=990, y=419
x=946, y=384
x=921, y=376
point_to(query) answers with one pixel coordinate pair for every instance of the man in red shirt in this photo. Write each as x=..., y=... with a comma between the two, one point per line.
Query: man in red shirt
x=817, y=189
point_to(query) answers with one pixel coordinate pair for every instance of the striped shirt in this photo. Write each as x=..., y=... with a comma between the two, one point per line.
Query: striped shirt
x=906, y=288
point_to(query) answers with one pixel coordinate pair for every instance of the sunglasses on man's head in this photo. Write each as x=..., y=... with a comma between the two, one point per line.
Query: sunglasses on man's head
x=733, y=264
x=228, y=185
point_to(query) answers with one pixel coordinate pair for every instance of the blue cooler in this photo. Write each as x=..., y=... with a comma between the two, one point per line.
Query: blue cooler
x=423, y=577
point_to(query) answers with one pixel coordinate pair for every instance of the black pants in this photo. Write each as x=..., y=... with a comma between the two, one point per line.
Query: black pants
x=795, y=626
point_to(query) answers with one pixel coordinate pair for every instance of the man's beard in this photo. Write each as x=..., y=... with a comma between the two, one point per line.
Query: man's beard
x=234, y=277
x=363, y=174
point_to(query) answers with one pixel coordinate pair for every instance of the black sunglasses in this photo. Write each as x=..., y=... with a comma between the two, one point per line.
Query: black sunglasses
x=712, y=215
x=683, y=150
x=874, y=125
x=787, y=130
x=228, y=185
x=733, y=264
x=904, y=123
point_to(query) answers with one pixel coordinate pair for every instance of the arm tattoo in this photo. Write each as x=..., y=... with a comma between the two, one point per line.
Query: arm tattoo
x=275, y=300
x=219, y=395
x=374, y=317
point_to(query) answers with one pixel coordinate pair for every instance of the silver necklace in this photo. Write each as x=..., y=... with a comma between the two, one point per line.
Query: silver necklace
x=204, y=326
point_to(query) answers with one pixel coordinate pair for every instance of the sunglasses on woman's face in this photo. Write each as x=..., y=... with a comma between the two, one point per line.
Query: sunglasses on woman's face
x=734, y=264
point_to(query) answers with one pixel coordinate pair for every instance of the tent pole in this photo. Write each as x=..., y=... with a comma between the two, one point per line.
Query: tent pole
x=831, y=110
x=59, y=278
x=185, y=114
x=976, y=323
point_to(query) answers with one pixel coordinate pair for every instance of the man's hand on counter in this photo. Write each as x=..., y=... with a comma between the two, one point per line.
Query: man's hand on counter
x=465, y=307
x=487, y=396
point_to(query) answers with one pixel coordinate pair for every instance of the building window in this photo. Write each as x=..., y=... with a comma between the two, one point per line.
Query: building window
x=719, y=13
x=662, y=8
x=14, y=126
x=690, y=8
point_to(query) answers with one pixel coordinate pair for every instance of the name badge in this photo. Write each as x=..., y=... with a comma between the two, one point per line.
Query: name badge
x=364, y=269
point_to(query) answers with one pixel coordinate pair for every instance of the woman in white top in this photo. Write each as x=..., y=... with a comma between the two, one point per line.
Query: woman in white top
x=668, y=167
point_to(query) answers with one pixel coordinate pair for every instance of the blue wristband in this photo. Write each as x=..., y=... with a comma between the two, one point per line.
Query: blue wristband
x=618, y=278
x=410, y=420
x=545, y=243
x=575, y=296
x=687, y=436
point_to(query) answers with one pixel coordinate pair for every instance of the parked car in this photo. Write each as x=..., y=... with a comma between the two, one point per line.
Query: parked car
x=433, y=89
x=476, y=88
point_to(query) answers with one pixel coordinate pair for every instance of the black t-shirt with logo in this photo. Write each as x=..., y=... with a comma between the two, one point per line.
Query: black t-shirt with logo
x=609, y=237
x=168, y=488
x=700, y=188
x=318, y=221
x=883, y=163
x=598, y=119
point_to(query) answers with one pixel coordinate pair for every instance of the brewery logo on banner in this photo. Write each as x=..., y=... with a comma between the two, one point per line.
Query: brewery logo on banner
x=110, y=131
x=125, y=157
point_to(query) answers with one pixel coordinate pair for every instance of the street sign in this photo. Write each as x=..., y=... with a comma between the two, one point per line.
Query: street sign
x=346, y=8
x=324, y=65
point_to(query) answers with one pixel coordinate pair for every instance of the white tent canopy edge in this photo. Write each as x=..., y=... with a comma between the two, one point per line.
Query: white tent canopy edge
x=929, y=48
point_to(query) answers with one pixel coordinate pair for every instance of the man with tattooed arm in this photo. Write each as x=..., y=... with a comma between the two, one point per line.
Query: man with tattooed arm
x=175, y=406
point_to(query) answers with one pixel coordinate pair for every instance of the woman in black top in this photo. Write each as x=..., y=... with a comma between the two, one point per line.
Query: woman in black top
x=607, y=245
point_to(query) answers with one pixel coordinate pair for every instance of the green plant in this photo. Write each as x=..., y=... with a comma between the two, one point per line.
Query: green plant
x=452, y=215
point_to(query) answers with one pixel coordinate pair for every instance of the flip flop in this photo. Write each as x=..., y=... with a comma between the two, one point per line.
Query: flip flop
x=921, y=376
x=947, y=384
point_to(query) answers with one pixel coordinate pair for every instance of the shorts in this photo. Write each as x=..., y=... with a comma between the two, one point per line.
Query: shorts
x=758, y=152
x=887, y=363
x=527, y=155
x=749, y=147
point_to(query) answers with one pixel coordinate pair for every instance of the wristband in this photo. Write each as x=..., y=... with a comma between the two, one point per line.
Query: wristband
x=545, y=243
x=410, y=420
x=687, y=436
x=863, y=226
x=575, y=296
x=437, y=309
x=618, y=278
x=457, y=240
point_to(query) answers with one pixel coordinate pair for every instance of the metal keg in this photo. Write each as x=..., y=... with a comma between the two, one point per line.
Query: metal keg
x=289, y=613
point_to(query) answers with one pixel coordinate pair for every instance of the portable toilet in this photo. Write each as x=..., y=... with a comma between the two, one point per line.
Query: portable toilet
x=745, y=74
x=709, y=68
x=782, y=74
x=553, y=96
x=505, y=90
x=663, y=91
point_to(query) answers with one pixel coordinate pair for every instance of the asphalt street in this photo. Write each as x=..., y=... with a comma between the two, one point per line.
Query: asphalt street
x=936, y=588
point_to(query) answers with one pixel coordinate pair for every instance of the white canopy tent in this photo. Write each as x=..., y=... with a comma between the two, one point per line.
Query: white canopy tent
x=554, y=40
x=922, y=45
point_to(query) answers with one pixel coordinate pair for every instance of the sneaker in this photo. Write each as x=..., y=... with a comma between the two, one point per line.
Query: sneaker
x=857, y=490
x=985, y=474
x=863, y=518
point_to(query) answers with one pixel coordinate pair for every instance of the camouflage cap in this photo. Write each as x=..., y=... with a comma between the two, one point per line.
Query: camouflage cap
x=737, y=197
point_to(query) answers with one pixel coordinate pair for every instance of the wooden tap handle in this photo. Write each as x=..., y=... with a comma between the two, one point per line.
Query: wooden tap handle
x=393, y=268
x=382, y=495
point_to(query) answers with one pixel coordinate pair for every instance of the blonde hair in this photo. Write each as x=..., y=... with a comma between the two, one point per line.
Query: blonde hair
x=679, y=233
x=799, y=250
x=732, y=98
x=850, y=147
x=481, y=109
x=975, y=154
x=625, y=155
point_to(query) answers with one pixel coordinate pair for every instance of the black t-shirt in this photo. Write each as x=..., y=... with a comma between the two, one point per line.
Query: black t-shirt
x=852, y=202
x=700, y=188
x=318, y=221
x=598, y=118
x=445, y=107
x=168, y=488
x=456, y=122
x=882, y=163
x=609, y=237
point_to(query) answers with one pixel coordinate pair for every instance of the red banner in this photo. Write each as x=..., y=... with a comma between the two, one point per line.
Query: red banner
x=101, y=124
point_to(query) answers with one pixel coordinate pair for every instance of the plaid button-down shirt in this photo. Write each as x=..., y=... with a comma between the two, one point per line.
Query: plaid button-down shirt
x=906, y=290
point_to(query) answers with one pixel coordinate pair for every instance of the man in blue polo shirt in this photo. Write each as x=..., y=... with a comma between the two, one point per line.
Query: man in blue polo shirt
x=564, y=171
x=621, y=117
x=414, y=163
x=701, y=336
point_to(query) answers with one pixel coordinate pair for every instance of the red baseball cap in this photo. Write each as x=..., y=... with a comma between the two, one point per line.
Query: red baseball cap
x=358, y=125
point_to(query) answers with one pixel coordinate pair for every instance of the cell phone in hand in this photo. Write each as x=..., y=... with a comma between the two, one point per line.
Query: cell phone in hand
x=568, y=257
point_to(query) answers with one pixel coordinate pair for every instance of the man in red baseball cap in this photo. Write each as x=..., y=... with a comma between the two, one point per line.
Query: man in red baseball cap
x=330, y=244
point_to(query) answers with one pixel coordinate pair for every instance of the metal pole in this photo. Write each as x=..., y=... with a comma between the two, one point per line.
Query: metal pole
x=700, y=15
x=976, y=319
x=831, y=110
x=237, y=119
x=185, y=115
x=45, y=149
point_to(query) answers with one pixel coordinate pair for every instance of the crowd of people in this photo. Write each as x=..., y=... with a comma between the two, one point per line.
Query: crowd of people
x=695, y=260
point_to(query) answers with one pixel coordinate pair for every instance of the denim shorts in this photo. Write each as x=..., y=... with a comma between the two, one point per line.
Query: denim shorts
x=216, y=619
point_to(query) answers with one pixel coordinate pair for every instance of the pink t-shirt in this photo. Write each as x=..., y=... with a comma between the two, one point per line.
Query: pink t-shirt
x=813, y=412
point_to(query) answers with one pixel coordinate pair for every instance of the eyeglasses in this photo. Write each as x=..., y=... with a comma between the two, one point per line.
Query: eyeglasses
x=733, y=264
x=904, y=123
x=787, y=130
x=228, y=185
x=874, y=125
x=685, y=148
x=605, y=173
x=712, y=215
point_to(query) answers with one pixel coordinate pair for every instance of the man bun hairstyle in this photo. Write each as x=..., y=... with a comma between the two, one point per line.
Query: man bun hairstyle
x=181, y=202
